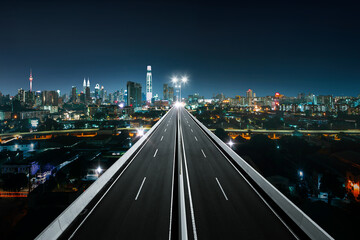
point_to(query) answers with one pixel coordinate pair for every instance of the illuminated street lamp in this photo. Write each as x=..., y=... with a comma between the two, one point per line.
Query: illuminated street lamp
x=184, y=79
x=174, y=80
x=230, y=143
x=177, y=82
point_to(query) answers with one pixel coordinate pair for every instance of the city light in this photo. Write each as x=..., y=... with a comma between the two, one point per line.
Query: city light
x=178, y=104
x=140, y=132
x=230, y=143
x=184, y=79
x=99, y=170
x=174, y=80
x=301, y=174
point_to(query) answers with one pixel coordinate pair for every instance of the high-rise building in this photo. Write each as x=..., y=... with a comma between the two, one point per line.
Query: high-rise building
x=29, y=98
x=84, y=86
x=148, y=84
x=50, y=98
x=97, y=91
x=21, y=95
x=171, y=94
x=102, y=94
x=73, y=94
x=121, y=96
x=126, y=97
x=134, y=94
x=165, y=92
x=249, y=97
x=87, y=92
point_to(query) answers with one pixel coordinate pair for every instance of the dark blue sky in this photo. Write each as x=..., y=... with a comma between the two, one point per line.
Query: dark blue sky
x=285, y=46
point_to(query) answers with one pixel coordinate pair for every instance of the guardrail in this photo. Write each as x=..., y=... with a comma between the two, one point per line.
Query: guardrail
x=306, y=224
x=63, y=221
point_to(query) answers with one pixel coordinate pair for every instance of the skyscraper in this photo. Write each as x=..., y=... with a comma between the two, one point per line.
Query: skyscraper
x=84, y=86
x=249, y=97
x=73, y=94
x=134, y=94
x=87, y=92
x=102, y=94
x=165, y=92
x=97, y=91
x=171, y=94
x=49, y=98
x=148, y=84
x=21, y=95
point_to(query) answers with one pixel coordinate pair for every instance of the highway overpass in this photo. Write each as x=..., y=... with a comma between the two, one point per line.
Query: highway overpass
x=180, y=181
x=234, y=130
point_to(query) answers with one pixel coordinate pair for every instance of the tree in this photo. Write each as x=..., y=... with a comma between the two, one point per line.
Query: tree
x=274, y=123
x=329, y=183
x=99, y=116
x=15, y=181
x=220, y=133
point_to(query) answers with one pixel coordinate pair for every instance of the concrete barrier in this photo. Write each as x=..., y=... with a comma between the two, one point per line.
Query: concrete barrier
x=313, y=230
x=63, y=221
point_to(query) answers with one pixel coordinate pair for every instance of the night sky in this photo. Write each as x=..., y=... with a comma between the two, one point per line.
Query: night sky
x=287, y=46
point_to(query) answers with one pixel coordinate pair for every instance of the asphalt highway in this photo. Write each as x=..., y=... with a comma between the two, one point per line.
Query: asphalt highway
x=224, y=205
x=219, y=202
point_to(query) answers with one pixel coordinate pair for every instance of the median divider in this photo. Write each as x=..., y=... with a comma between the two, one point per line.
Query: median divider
x=304, y=222
x=64, y=220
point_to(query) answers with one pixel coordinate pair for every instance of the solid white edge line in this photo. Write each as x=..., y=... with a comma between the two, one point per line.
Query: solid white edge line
x=137, y=195
x=251, y=186
x=203, y=153
x=82, y=222
x=183, y=221
x=172, y=188
x=189, y=189
x=156, y=152
x=221, y=189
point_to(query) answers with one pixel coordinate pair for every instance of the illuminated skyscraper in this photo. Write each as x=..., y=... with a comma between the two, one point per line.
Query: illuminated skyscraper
x=148, y=84
x=166, y=92
x=171, y=94
x=73, y=94
x=134, y=94
x=249, y=97
x=84, y=86
x=97, y=91
x=21, y=95
x=87, y=92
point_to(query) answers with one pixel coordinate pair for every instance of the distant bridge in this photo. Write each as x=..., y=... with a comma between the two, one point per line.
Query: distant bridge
x=96, y=130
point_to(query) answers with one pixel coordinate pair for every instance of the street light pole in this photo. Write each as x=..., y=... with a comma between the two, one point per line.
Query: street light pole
x=180, y=92
x=177, y=81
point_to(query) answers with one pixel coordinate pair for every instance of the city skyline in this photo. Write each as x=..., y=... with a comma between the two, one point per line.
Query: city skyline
x=269, y=47
x=158, y=86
